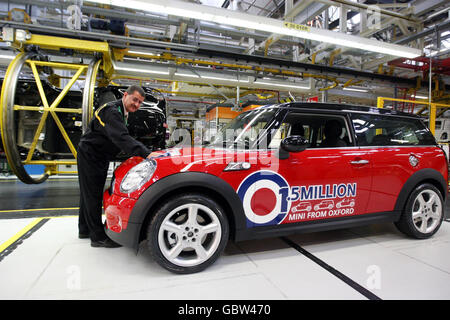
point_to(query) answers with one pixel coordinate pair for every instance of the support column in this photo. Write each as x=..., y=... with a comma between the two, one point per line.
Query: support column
x=343, y=19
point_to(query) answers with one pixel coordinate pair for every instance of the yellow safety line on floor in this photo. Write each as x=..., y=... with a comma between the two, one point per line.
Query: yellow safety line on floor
x=6, y=244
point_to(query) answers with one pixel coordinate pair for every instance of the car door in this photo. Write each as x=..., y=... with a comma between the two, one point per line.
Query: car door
x=315, y=179
x=392, y=143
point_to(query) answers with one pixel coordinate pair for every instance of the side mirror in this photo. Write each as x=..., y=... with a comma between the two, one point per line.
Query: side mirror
x=292, y=144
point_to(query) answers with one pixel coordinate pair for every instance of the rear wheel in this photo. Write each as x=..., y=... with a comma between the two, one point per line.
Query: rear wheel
x=188, y=233
x=423, y=213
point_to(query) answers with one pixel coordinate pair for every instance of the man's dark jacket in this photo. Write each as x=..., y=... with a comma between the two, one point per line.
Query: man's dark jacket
x=107, y=134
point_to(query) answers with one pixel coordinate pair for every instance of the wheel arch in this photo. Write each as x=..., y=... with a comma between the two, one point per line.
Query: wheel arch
x=427, y=175
x=187, y=182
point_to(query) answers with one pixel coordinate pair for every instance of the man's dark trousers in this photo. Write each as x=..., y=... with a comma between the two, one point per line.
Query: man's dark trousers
x=92, y=172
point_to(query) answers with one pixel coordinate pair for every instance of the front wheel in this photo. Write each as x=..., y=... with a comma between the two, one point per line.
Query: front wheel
x=188, y=233
x=423, y=213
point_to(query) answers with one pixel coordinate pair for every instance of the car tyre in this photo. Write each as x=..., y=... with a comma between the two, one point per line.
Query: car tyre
x=188, y=233
x=423, y=212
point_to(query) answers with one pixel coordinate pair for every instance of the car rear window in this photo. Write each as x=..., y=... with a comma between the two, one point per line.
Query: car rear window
x=377, y=130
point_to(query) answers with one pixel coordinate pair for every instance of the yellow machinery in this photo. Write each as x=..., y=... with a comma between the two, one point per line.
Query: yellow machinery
x=433, y=107
x=34, y=61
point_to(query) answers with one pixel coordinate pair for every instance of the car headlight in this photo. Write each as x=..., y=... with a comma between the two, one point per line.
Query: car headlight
x=137, y=176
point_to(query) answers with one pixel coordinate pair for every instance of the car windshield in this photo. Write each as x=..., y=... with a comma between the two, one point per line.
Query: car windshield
x=244, y=131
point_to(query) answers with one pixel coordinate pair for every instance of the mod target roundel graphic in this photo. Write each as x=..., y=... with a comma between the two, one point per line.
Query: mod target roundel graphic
x=263, y=196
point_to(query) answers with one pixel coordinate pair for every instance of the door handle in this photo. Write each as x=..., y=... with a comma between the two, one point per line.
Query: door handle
x=359, y=162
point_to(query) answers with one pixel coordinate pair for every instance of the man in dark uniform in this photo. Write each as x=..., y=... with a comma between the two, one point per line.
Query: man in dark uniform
x=105, y=137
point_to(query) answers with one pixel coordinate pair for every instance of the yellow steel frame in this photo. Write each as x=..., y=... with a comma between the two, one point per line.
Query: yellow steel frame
x=55, y=43
x=52, y=109
x=351, y=82
x=91, y=85
x=3, y=99
x=431, y=105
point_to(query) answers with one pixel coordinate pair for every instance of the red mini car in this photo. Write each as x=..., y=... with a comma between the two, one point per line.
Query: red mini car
x=188, y=202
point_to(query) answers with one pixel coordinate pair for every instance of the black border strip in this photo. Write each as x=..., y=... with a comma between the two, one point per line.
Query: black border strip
x=13, y=246
x=338, y=274
x=51, y=213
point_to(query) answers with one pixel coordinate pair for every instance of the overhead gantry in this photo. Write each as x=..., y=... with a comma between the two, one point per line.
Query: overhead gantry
x=103, y=62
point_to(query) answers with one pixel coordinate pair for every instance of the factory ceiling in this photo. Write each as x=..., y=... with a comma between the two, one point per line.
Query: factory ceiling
x=208, y=50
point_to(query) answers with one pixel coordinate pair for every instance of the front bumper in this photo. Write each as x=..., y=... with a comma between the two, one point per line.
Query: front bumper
x=128, y=237
x=117, y=212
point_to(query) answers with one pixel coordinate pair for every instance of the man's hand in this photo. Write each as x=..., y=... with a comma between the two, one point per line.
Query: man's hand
x=154, y=154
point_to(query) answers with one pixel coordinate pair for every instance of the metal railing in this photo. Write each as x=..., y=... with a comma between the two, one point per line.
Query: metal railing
x=432, y=106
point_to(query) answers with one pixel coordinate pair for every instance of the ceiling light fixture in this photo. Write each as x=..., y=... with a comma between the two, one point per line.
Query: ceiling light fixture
x=186, y=75
x=5, y=56
x=419, y=97
x=143, y=53
x=281, y=85
x=354, y=89
x=144, y=71
x=223, y=79
x=244, y=20
x=209, y=77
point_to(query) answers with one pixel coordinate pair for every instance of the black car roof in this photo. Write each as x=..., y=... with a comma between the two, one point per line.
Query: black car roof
x=342, y=107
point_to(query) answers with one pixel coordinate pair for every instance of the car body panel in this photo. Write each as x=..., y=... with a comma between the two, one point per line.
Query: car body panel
x=391, y=169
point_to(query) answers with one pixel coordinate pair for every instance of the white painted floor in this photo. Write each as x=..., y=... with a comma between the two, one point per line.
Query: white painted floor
x=54, y=264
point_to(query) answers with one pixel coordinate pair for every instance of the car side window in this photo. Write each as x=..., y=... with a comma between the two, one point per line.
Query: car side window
x=321, y=130
x=377, y=130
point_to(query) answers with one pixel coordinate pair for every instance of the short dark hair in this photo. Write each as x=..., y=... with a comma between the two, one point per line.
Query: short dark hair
x=133, y=88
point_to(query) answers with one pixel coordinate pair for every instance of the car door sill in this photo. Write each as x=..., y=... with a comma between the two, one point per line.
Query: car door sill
x=317, y=225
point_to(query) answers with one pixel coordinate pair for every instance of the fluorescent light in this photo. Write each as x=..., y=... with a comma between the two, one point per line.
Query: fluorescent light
x=144, y=53
x=186, y=75
x=354, y=89
x=208, y=77
x=280, y=85
x=144, y=71
x=244, y=20
x=223, y=79
x=419, y=97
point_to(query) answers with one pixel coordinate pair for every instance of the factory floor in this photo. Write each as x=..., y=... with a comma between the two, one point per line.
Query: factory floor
x=41, y=257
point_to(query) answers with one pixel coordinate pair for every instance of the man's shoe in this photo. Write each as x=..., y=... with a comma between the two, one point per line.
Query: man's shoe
x=107, y=243
x=83, y=235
